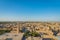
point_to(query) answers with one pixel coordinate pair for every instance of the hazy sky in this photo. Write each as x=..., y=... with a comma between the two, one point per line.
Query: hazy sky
x=29, y=10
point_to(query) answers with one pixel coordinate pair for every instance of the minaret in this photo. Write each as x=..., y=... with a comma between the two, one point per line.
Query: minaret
x=18, y=27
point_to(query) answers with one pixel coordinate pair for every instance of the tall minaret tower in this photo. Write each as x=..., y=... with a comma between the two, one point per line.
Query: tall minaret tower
x=18, y=27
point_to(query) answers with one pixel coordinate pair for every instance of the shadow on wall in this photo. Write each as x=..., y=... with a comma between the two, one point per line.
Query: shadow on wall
x=23, y=38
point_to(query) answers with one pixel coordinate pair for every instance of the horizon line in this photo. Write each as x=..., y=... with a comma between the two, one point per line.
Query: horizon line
x=29, y=21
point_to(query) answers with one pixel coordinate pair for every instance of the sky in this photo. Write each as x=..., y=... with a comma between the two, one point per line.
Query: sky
x=29, y=10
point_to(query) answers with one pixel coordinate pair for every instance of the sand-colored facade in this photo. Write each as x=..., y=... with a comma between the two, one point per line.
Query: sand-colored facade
x=40, y=27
